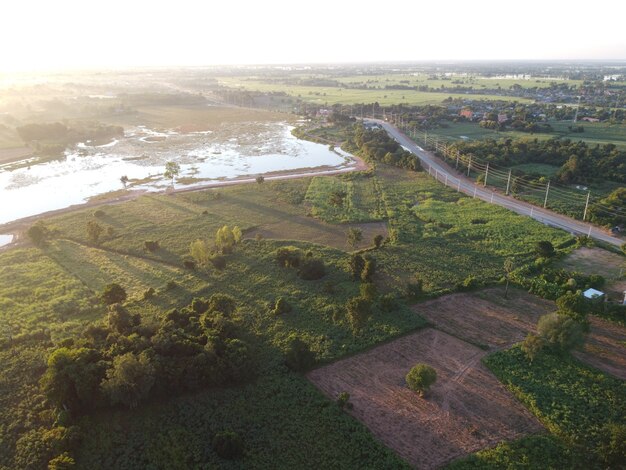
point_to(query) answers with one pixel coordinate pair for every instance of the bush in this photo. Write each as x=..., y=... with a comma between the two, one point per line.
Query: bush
x=532, y=346
x=288, y=257
x=312, y=269
x=420, y=378
x=343, y=400
x=560, y=332
x=544, y=249
x=113, y=294
x=358, y=312
x=378, y=241
x=469, y=283
x=415, y=288
x=388, y=303
x=368, y=291
x=218, y=262
x=299, y=356
x=149, y=293
x=222, y=303
x=38, y=233
x=228, y=445
x=281, y=306
x=151, y=245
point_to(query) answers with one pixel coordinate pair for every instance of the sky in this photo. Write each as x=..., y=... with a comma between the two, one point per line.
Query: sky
x=58, y=34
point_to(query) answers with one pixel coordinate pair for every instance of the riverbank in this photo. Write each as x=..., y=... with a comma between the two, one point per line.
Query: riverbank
x=18, y=227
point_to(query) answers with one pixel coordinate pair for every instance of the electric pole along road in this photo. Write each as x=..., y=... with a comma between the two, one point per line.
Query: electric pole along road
x=446, y=175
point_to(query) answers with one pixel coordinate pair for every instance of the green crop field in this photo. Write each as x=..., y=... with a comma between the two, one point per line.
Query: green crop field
x=594, y=133
x=332, y=95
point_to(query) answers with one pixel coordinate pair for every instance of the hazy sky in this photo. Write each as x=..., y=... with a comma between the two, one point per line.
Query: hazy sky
x=87, y=33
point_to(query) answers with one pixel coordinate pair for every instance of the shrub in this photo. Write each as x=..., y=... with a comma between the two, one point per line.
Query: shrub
x=368, y=291
x=281, y=306
x=113, y=294
x=388, y=303
x=369, y=268
x=378, y=240
x=544, y=249
x=149, y=293
x=228, y=445
x=560, y=332
x=358, y=312
x=356, y=264
x=596, y=281
x=222, y=303
x=218, y=262
x=312, y=269
x=532, y=346
x=469, y=283
x=415, y=288
x=62, y=462
x=420, y=378
x=151, y=245
x=343, y=400
x=298, y=356
x=94, y=230
x=288, y=257
x=38, y=233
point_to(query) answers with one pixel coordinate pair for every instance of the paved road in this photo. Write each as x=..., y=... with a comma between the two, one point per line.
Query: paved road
x=450, y=177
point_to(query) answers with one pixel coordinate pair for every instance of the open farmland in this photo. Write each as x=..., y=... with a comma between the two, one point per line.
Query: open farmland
x=488, y=320
x=485, y=317
x=466, y=410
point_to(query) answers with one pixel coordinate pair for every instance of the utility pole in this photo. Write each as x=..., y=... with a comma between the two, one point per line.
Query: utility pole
x=508, y=183
x=545, y=201
x=586, y=206
x=486, y=174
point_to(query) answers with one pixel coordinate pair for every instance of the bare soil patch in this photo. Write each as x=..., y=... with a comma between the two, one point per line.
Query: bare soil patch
x=605, y=347
x=466, y=410
x=14, y=154
x=486, y=318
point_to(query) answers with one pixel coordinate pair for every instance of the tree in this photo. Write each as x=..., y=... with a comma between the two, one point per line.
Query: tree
x=544, y=249
x=124, y=180
x=172, y=170
x=358, y=312
x=227, y=444
x=354, y=236
x=298, y=356
x=62, y=462
x=38, y=233
x=357, y=263
x=574, y=305
x=509, y=266
x=378, y=240
x=560, y=332
x=130, y=379
x=226, y=238
x=120, y=320
x=200, y=251
x=420, y=378
x=222, y=303
x=94, y=230
x=260, y=179
x=532, y=346
x=113, y=294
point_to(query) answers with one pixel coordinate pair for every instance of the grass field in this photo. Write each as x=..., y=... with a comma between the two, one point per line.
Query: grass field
x=595, y=133
x=331, y=95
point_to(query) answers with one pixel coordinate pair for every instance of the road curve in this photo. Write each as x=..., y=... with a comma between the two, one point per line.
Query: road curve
x=450, y=177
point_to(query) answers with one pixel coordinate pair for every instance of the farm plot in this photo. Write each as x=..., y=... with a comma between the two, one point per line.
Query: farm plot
x=466, y=410
x=486, y=318
x=605, y=348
